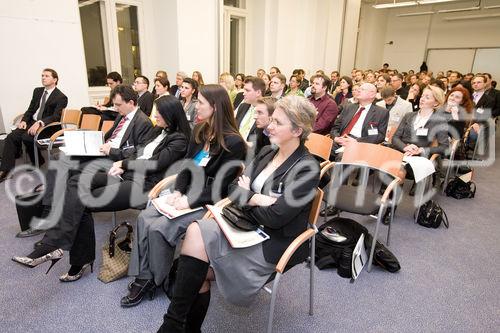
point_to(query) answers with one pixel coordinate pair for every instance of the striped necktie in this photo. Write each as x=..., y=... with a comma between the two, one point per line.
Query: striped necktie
x=117, y=129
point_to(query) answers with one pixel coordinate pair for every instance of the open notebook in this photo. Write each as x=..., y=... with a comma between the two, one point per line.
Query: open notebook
x=237, y=238
x=169, y=211
x=83, y=143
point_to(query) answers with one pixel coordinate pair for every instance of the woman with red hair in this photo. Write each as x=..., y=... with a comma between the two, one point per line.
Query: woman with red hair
x=457, y=111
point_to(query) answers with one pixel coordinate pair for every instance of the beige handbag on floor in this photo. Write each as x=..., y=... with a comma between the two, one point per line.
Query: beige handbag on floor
x=116, y=255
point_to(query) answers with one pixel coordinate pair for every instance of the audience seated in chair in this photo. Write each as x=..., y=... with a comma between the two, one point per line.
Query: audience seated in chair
x=106, y=110
x=45, y=107
x=265, y=190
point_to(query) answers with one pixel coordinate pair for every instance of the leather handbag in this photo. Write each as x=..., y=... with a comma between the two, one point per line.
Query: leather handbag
x=116, y=255
x=431, y=215
x=238, y=219
x=459, y=189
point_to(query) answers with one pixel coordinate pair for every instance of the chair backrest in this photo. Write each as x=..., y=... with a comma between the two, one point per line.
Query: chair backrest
x=374, y=156
x=106, y=126
x=71, y=116
x=319, y=145
x=90, y=122
x=316, y=206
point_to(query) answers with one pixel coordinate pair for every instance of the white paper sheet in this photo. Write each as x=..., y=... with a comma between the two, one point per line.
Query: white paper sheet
x=82, y=143
x=421, y=166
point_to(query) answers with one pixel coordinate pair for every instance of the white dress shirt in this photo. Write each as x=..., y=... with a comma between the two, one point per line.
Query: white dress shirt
x=358, y=127
x=49, y=91
x=115, y=143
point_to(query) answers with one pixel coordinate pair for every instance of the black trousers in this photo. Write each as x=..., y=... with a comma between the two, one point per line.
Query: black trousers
x=75, y=229
x=13, y=148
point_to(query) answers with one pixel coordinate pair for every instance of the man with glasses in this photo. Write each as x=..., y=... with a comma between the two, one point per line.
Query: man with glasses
x=145, y=101
x=397, y=85
x=106, y=110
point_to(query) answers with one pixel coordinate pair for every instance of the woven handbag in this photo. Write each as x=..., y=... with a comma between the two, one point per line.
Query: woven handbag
x=116, y=255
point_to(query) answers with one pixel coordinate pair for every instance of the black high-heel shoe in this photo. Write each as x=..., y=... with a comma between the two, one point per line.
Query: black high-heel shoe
x=138, y=290
x=34, y=259
x=68, y=277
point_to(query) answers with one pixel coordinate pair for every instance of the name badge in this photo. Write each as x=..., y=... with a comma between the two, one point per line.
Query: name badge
x=188, y=117
x=204, y=161
x=422, y=131
x=373, y=131
x=480, y=110
x=396, y=119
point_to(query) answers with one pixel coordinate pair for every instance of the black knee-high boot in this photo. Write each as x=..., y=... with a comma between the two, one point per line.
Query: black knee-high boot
x=191, y=273
x=197, y=314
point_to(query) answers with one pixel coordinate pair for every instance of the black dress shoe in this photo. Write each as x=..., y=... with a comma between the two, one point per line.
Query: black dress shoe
x=330, y=210
x=3, y=175
x=29, y=233
x=137, y=291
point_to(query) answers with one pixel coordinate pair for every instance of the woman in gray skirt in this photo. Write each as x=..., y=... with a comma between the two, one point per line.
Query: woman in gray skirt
x=215, y=143
x=276, y=192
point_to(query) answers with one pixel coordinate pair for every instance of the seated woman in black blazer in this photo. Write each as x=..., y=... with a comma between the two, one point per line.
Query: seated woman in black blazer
x=276, y=191
x=457, y=112
x=216, y=144
x=124, y=186
x=419, y=130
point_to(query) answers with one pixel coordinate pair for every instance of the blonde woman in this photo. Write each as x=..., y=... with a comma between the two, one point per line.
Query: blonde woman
x=227, y=81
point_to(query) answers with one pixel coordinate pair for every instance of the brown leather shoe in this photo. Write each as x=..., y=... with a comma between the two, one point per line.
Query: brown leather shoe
x=3, y=175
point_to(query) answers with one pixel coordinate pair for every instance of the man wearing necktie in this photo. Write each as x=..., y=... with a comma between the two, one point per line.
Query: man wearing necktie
x=253, y=89
x=361, y=122
x=46, y=107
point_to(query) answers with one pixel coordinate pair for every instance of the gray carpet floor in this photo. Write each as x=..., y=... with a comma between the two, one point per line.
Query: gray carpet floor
x=449, y=282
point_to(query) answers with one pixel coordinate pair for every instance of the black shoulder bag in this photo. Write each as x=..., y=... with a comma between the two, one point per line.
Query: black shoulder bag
x=459, y=189
x=431, y=215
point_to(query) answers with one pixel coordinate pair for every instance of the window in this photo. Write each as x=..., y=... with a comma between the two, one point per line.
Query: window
x=108, y=26
x=93, y=43
x=235, y=3
x=128, y=37
x=233, y=36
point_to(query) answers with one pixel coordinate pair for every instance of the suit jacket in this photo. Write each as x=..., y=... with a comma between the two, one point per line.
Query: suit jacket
x=400, y=108
x=495, y=94
x=403, y=92
x=284, y=220
x=145, y=103
x=437, y=129
x=376, y=118
x=136, y=134
x=238, y=99
x=242, y=111
x=173, y=90
x=54, y=105
x=171, y=149
x=218, y=158
x=484, y=107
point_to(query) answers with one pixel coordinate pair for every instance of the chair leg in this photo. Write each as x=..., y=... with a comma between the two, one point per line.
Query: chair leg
x=374, y=241
x=273, y=302
x=35, y=150
x=113, y=218
x=393, y=211
x=311, y=273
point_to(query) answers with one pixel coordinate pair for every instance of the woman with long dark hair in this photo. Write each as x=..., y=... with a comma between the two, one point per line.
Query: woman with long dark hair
x=275, y=192
x=215, y=142
x=125, y=185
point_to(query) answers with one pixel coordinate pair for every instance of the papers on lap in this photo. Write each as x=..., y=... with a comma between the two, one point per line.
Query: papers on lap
x=83, y=143
x=237, y=238
x=169, y=211
x=421, y=166
x=46, y=142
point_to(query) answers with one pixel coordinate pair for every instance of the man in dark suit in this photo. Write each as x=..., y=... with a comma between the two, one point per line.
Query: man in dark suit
x=131, y=129
x=253, y=89
x=335, y=78
x=145, y=101
x=483, y=111
x=493, y=93
x=397, y=85
x=362, y=121
x=175, y=90
x=304, y=83
x=46, y=107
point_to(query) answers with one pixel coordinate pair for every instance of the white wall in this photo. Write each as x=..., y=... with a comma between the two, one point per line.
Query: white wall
x=36, y=34
x=412, y=36
x=295, y=34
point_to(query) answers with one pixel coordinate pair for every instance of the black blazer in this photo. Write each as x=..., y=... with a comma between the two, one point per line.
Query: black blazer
x=437, y=129
x=218, y=158
x=238, y=99
x=284, y=220
x=495, y=95
x=145, y=102
x=377, y=117
x=173, y=90
x=136, y=134
x=486, y=104
x=403, y=92
x=54, y=105
x=171, y=149
x=242, y=110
